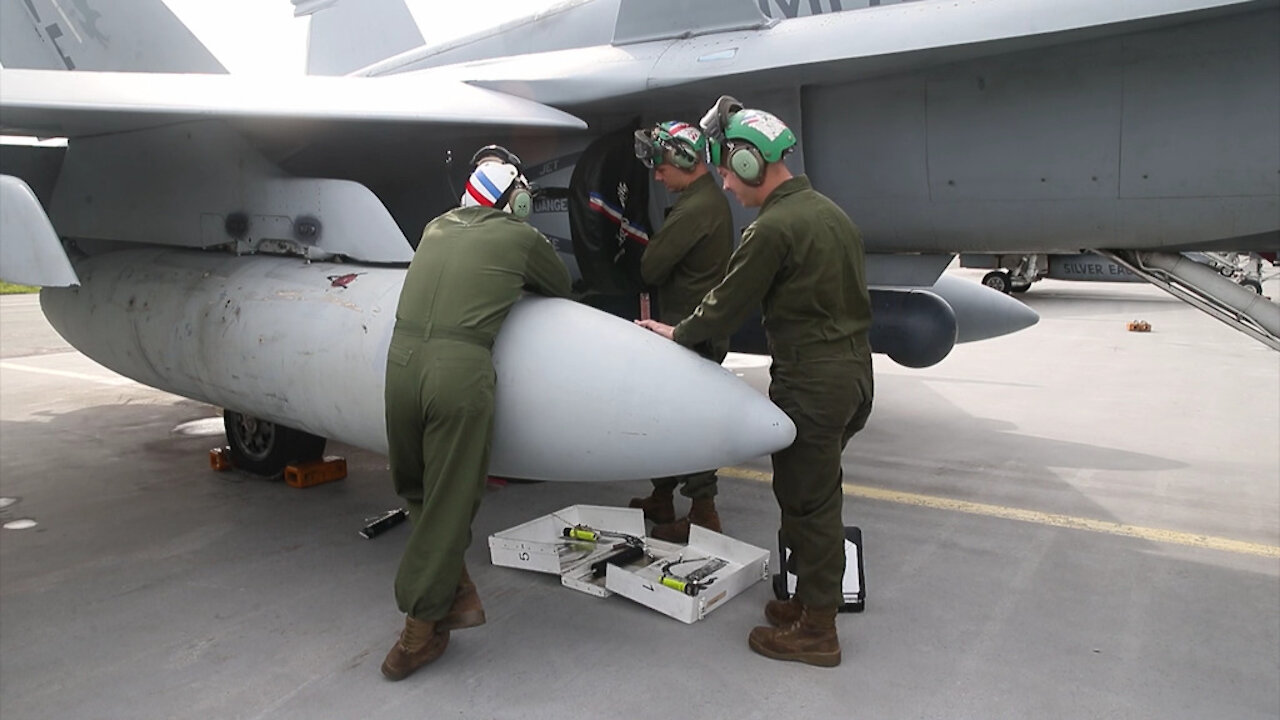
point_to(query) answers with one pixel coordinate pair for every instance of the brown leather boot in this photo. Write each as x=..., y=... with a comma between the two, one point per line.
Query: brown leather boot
x=466, y=611
x=420, y=643
x=658, y=507
x=812, y=639
x=782, y=613
x=702, y=513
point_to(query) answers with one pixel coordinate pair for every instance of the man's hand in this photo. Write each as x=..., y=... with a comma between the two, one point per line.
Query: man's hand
x=661, y=328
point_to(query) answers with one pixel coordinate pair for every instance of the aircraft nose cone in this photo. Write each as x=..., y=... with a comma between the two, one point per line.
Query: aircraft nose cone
x=981, y=312
x=583, y=395
x=761, y=427
x=1020, y=317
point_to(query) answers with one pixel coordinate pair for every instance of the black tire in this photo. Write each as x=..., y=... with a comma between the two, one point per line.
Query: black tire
x=266, y=448
x=1251, y=284
x=998, y=280
x=1019, y=288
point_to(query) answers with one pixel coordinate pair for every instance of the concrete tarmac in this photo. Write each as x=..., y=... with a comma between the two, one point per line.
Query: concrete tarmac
x=1075, y=521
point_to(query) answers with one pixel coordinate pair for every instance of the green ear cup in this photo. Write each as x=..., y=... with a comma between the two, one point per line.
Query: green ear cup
x=746, y=163
x=521, y=203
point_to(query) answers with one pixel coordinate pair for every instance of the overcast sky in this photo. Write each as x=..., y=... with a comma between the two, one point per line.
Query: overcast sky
x=264, y=36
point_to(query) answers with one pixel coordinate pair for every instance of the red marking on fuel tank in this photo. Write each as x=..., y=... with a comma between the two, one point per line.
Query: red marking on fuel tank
x=341, y=281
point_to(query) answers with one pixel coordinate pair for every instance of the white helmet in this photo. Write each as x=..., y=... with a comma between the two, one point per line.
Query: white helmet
x=500, y=186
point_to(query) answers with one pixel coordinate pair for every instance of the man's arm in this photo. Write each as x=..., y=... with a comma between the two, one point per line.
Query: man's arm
x=751, y=272
x=677, y=236
x=544, y=272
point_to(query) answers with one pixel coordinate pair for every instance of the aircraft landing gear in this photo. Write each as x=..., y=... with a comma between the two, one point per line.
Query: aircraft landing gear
x=1245, y=268
x=265, y=448
x=1252, y=284
x=1013, y=273
x=998, y=280
x=1018, y=279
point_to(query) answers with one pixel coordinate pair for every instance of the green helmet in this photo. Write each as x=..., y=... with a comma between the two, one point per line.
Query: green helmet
x=764, y=130
x=673, y=141
x=745, y=140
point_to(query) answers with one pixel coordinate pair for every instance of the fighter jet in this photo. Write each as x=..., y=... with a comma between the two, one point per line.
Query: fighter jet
x=239, y=240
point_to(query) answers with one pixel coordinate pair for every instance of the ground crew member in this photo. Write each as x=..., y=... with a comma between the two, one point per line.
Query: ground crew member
x=471, y=265
x=803, y=259
x=683, y=260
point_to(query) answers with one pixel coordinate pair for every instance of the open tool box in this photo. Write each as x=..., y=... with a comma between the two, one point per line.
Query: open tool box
x=542, y=545
x=688, y=581
x=602, y=550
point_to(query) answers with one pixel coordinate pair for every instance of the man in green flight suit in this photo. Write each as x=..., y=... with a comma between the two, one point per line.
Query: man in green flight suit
x=803, y=260
x=470, y=267
x=683, y=260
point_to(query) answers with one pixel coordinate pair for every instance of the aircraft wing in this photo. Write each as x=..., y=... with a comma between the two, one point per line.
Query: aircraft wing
x=833, y=46
x=57, y=103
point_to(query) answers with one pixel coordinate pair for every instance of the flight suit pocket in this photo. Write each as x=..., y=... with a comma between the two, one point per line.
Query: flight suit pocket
x=399, y=355
x=465, y=384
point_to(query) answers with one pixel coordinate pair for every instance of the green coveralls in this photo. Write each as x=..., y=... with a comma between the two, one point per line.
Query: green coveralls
x=803, y=259
x=684, y=260
x=471, y=266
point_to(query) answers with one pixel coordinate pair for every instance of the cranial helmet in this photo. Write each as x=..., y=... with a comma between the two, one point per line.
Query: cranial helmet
x=673, y=141
x=745, y=141
x=496, y=153
x=500, y=186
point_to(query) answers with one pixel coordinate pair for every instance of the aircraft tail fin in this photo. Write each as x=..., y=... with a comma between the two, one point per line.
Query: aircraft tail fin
x=347, y=36
x=123, y=35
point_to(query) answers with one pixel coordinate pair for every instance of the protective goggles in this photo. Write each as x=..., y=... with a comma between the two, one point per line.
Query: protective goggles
x=648, y=150
x=713, y=126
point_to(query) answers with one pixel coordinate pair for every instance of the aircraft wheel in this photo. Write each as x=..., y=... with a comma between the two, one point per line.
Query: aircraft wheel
x=998, y=280
x=265, y=448
x=1252, y=284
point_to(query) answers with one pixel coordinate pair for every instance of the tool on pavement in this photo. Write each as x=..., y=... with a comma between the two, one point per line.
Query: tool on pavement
x=379, y=524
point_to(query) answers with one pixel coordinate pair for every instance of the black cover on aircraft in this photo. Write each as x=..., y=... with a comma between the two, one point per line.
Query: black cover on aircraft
x=608, y=221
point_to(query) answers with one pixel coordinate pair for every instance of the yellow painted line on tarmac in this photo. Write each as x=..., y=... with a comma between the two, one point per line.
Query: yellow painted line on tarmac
x=1174, y=537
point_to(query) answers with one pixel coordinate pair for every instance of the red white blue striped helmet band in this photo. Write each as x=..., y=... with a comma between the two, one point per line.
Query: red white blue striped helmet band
x=488, y=185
